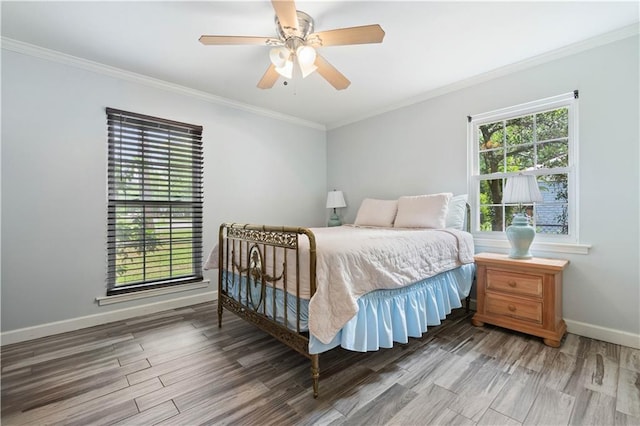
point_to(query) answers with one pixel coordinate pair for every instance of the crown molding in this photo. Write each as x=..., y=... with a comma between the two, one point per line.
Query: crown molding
x=97, y=67
x=572, y=49
x=55, y=56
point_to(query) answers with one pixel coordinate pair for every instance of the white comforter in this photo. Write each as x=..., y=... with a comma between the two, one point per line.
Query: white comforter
x=352, y=261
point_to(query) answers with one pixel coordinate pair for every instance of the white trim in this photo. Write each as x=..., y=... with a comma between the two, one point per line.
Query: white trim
x=567, y=100
x=43, y=330
x=52, y=55
x=610, y=37
x=526, y=108
x=143, y=294
x=74, y=61
x=488, y=244
x=610, y=335
x=15, y=336
x=594, y=331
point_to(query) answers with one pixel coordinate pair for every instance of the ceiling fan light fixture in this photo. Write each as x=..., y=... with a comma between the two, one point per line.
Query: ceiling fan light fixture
x=306, y=69
x=286, y=70
x=306, y=55
x=279, y=56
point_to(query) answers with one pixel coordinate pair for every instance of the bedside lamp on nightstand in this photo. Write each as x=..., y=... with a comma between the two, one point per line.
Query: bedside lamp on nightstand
x=521, y=189
x=335, y=200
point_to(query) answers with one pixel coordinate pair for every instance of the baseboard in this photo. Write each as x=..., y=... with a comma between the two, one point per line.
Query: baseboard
x=15, y=336
x=594, y=332
x=472, y=304
x=49, y=329
x=605, y=334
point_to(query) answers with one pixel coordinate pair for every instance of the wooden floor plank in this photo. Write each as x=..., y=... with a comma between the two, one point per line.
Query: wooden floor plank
x=516, y=398
x=216, y=405
x=382, y=409
x=178, y=367
x=630, y=358
x=593, y=408
x=64, y=353
x=425, y=407
x=493, y=418
x=33, y=416
x=178, y=388
x=104, y=415
x=194, y=360
x=266, y=409
x=373, y=385
x=153, y=415
x=564, y=369
x=551, y=407
x=60, y=391
x=628, y=398
x=476, y=391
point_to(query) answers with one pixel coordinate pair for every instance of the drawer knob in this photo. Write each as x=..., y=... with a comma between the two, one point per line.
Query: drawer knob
x=512, y=283
x=512, y=308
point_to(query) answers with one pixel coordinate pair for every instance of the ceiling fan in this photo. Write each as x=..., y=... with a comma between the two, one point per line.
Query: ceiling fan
x=296, y=43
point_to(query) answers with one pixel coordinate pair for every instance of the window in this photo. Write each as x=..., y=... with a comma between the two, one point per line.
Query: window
x=154, y=219
x=538, y=138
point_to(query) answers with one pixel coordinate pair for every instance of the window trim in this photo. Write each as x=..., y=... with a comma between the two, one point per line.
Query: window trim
x=175, y=131
x=546, y=242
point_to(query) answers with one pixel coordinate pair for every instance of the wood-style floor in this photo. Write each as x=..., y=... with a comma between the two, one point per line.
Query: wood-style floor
x=178, y=368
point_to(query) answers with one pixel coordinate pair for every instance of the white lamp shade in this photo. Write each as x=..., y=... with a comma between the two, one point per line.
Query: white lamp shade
x=335, y=200
x=306, y=69
x=286, y=70
x=306, y=55
x=279, y=56
x=521, y=189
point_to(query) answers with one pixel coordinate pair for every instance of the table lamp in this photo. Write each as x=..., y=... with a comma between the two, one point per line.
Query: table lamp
x=335, y=200
x=521, y=189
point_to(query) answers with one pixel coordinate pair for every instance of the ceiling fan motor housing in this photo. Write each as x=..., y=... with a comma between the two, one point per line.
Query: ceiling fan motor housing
x=305, y=27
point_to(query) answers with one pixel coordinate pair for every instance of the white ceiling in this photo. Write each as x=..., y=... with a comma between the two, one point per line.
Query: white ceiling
x=428, y=45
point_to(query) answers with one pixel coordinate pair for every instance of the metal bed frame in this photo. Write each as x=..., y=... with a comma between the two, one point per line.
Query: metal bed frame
x=252, y=242
x=251, y=254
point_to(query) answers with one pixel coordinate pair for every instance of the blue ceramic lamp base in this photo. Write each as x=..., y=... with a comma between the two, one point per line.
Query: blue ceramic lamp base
x=520, y=235
x=334, y=220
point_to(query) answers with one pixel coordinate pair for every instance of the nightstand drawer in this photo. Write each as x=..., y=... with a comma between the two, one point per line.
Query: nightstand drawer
x=516, y=283
x=526, y=310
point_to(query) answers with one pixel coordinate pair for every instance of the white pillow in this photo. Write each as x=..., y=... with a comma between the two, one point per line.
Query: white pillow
x=376, y=212
x=457, y=212
x=423, y=211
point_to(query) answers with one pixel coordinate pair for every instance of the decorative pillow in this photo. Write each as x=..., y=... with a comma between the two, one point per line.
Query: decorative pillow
x=457, y=212
x=423, y=211
x=376, y=212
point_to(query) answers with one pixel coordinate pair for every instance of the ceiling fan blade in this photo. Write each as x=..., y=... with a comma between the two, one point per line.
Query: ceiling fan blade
x=331, y=74
x=354, y=35
x=286, y=13
x=269, y=78
x=214, y=39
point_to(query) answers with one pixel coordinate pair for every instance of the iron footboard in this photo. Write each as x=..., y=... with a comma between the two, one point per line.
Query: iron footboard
x=262, y=278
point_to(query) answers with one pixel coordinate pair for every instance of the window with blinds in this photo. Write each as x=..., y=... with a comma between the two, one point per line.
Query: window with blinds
x=154, y=219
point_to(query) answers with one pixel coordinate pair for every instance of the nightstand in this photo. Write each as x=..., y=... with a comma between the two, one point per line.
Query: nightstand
x=521, y=294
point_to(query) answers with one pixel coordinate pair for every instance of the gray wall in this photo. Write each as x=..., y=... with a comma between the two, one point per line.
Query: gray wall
x=54, y=153
x=54, y=174
x=422, y=148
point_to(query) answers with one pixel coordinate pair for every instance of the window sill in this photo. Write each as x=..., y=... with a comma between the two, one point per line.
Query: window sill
x=143, y=294
x=568, y=248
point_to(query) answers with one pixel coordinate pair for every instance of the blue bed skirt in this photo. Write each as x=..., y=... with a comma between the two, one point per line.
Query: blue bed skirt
x=384, y=316
x=388, y=316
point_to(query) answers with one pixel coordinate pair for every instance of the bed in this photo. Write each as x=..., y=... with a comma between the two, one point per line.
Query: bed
x=399, y=269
